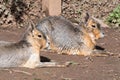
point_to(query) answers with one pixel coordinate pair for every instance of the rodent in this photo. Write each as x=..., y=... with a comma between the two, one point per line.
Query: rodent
x=66, y=38
x=26, y=52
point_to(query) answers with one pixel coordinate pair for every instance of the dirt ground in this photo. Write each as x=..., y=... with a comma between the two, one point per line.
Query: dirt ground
x=82, y=68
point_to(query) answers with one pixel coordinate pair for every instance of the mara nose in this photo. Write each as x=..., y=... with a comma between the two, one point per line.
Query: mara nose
x=102, y=35
x=47, y=45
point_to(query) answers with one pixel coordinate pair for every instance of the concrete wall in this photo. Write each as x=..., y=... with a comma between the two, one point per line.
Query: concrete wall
x=52, y=7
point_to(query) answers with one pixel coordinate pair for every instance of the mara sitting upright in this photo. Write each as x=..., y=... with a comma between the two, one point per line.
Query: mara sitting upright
x=65, y=37
x=26, y=52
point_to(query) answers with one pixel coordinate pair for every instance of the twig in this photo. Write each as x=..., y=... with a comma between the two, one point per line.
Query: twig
x=18, y=71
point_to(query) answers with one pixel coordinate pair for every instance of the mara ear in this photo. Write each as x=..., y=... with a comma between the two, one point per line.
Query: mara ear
x=31, y=26
x=100, y=22
x=86, y=17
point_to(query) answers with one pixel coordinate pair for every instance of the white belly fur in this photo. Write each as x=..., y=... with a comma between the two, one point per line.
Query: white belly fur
x=33, y=61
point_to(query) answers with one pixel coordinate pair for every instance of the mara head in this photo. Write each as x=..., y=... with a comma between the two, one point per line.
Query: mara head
x=35, y=37
x=93, y=27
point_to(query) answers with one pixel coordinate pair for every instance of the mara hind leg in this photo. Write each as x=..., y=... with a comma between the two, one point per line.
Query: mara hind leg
x=91, y=52
x=34, y=61
x=52, y=64
x=101, y=53
x=46, y=65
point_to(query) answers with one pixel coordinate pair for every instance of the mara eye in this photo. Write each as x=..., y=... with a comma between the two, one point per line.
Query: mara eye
x=93, y=26
x=39, y=36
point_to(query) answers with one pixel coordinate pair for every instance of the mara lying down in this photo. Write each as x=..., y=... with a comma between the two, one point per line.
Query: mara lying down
x=25, y=53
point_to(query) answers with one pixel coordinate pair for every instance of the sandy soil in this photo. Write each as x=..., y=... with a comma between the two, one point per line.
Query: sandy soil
x=82, y=68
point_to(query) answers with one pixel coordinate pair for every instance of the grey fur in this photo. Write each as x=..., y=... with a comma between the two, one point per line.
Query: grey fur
x=26, y=52
x=62, y=33
x=14, y=54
